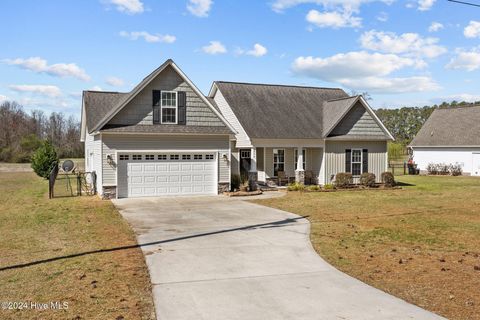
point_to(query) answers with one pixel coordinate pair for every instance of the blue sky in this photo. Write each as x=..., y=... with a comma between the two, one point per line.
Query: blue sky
x=402, y=52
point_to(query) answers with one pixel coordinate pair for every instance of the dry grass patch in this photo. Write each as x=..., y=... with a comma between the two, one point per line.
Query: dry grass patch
x=421, y=243
x=96, y=285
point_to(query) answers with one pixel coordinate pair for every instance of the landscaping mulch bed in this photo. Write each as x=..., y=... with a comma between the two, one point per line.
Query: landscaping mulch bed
x=243, y=193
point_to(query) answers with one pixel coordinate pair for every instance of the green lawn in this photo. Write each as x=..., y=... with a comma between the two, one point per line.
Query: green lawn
x=49, y=252
x=420, y=243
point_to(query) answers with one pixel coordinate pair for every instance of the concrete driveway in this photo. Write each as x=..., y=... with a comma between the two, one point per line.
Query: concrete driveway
x=220, y=258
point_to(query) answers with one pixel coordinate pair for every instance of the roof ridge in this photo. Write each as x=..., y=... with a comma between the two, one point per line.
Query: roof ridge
x=277, y=85
x=100, y=91
x=459, y=107
x=344, y=98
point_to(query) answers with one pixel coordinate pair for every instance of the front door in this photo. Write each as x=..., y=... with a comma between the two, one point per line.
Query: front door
x=476, y=164
x=245, y=161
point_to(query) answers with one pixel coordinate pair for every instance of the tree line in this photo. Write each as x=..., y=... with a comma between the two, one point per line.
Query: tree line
x=21, y=133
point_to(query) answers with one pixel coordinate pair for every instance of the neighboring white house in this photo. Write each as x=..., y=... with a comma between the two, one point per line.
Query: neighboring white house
x=166, y=138
x=450, y=136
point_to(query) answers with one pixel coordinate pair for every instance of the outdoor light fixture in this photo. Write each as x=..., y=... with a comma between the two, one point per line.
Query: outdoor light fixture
x=109, y=159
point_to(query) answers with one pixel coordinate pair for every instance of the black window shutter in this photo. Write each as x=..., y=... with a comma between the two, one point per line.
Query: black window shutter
x=348, y=160
x=182, y=107
x=365, y=161
x=156, y=105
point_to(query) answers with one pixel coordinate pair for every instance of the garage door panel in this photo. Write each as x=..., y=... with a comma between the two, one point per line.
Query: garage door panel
x=168, y=177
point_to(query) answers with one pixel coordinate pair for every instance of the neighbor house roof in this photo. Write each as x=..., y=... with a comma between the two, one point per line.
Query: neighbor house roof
x=450, y=127
x=279, y=111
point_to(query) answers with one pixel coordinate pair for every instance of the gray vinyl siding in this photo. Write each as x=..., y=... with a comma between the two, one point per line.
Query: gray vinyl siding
x=335, y=156
x=140, y=110
x=223, y=167
x=112, y=143
x=358, y=122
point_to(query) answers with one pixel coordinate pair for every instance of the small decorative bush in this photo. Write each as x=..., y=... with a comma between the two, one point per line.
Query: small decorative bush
x=295, y=186
x=367, y=179
x=314, y=187
x=328, y=186
x=235, y=182
x=343, y=180
x=44, y=159
x=456, y=170
x=388, y=179
x=444, y=169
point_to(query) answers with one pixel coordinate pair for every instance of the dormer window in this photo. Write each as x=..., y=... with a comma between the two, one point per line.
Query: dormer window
x=169, y=107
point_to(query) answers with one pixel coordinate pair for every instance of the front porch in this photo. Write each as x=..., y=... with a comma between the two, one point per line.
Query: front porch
x=280, y=165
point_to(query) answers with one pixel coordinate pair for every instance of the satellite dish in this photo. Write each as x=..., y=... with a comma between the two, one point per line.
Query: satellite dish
x=68, y=165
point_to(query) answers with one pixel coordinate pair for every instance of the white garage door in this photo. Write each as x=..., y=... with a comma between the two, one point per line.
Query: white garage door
x=168, y=174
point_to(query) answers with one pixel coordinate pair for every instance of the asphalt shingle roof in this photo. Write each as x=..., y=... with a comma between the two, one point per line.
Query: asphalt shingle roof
x=450, y=127
x=279, y=111
x=98, y=104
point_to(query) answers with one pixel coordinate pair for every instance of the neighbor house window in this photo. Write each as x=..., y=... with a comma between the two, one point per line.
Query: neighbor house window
x=356, y=162
x=169, y=107
x=278, y=161
x=296, y=158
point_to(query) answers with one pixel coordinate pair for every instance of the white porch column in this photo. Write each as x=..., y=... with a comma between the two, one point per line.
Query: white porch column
x=252, y=174
x=300, y=172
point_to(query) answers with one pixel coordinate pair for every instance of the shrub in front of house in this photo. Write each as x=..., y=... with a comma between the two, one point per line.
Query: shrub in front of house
x=328, y=186
x=388, y=179
x=313, y=187
x=367, y=179
x=456, y=170
x=44, y=159
x=343, y=180
x=236, y=181
x=296, y=186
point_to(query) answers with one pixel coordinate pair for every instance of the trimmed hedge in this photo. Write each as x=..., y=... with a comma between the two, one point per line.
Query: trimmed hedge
x=388, y=179
x=367, y=179
x=343, y=180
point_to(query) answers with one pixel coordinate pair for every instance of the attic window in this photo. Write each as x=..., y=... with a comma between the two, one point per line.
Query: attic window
x=169, y=107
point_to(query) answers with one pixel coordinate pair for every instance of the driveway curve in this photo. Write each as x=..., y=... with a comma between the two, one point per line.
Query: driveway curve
x=221, y=258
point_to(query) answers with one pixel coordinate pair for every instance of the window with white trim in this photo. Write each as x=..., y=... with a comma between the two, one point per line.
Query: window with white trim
x=304, y=153
x=149, y=157
x=278, y=161
x=356, y=162
x=162, y=157
x=168, y=106
x=137, y=157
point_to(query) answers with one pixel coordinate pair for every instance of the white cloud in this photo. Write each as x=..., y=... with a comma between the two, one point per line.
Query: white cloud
x=425, y=5
x=115, y=82
x=215, y=47
x=406, y=43
x=435, y=26
x=128, y=6
x=465, y=60
x=472, y=30
x=148, y=37
x=257, y=51
x=364, y=71
x=333, y=19
x=467, y=97
x=199, y=8
x=382, y=16
x=281, y=5
x=96, y=88
x=39, y=65
x=45, y=90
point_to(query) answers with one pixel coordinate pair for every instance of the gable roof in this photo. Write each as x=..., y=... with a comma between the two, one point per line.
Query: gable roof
x=108, y=104
x=278, y=111
x=289, y=112
x=450, y=127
